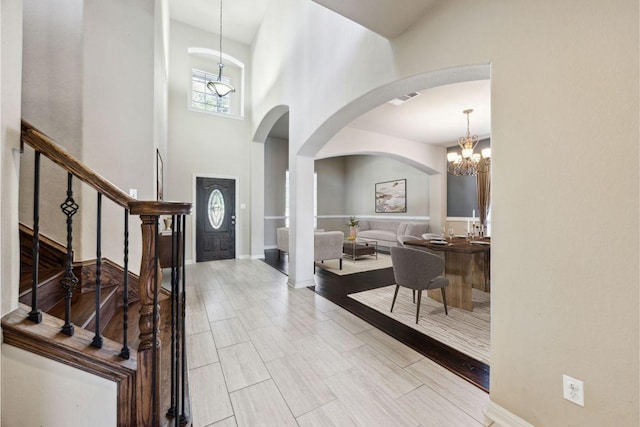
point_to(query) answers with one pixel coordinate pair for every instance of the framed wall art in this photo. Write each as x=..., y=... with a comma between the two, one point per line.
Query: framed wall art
x=391, y=196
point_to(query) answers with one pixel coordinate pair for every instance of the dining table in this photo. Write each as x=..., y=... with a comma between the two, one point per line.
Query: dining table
x=467, y=266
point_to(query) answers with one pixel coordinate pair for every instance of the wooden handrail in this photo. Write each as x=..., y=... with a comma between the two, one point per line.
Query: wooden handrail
x=57, y=154
x=147, y=379
x=159, y=208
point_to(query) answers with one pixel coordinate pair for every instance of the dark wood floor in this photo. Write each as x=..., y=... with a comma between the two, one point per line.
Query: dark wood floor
x=336, y=288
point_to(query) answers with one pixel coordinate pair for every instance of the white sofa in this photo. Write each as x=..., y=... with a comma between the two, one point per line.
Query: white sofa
x=326, y=244
x=386, y=233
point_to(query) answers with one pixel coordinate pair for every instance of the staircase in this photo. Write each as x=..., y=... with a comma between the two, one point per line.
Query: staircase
x=97, y=316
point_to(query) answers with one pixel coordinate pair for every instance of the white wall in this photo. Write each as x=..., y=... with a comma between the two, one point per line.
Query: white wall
x=120, y=118
x=101, y=94
x=41, y=392
x=10, y=76
x=52, y=87
x=564, y=78
x=10, y=99
x=309, y=37
x=203, y=143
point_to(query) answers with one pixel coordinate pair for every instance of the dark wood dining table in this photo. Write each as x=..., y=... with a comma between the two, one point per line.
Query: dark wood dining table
x=467, y=266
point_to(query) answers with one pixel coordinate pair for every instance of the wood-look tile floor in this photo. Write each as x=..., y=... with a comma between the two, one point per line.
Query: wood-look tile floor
x=263, y=354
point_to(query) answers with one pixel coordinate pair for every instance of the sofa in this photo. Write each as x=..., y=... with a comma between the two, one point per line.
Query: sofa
x=326, y=244
x=387, y=233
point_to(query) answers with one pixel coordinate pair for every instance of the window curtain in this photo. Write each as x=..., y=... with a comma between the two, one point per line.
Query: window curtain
x=483, y=186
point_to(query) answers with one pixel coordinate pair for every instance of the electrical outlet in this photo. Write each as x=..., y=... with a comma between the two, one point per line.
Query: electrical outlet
x=133, y=192
x=573, y=390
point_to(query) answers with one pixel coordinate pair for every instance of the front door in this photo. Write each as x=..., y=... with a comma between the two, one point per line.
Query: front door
x=215, y=219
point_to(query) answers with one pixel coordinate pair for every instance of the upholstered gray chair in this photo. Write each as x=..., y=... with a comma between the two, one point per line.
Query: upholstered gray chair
x=405, y=238
x=419, y=271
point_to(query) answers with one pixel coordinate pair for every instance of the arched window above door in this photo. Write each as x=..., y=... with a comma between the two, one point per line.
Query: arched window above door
x=203, y=68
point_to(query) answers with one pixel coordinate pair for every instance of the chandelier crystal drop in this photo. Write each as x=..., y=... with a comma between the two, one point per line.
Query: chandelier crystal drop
x=218, y=86
x=468, y=163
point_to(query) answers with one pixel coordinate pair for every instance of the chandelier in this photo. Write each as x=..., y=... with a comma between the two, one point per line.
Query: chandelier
x=218, y=86
x=468, y=163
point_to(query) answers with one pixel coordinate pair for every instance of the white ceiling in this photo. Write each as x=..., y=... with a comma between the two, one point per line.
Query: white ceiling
x=434, y=117
x=240, y=18
x=389, y=18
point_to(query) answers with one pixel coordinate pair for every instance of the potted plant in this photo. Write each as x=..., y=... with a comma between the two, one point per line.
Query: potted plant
x=353, y=228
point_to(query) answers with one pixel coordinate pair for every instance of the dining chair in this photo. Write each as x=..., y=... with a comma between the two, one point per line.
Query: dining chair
x=419, y=271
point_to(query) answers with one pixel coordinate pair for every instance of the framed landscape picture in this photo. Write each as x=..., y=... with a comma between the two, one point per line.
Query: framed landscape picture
x=391, y=196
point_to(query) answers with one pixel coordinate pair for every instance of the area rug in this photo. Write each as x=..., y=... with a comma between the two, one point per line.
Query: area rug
x=365, y=263
x=466, y=331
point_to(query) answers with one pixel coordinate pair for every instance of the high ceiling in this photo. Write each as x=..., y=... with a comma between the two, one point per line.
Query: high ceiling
x=389, y=18
x=240, y=18
x=433, y=117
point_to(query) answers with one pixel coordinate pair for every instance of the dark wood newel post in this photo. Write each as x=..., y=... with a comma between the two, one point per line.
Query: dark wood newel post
x=148, y=379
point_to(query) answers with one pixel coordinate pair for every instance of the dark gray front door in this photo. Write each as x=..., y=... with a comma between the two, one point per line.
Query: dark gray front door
x=215, y=219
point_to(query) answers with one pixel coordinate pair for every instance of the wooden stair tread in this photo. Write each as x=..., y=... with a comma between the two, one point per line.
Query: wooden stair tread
x=80, y=343
x=44, y=276
x=83, y=306
x=115, y=329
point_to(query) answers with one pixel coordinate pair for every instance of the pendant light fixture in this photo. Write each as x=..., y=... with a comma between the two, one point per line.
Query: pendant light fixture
x=218, y=86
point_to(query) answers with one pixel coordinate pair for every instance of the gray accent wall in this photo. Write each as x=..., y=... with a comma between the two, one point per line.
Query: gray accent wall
x=331, y=192
x=363, y=172
x=461, y=190
x=276, y=163
x=346, y=186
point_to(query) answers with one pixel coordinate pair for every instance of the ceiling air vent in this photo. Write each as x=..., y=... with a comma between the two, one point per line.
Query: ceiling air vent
x=404, y=98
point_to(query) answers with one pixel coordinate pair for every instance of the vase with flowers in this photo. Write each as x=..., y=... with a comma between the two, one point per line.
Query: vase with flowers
x=353, y=228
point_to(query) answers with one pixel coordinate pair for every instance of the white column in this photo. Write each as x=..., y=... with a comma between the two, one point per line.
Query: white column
x=257, y=200
x=300, y=220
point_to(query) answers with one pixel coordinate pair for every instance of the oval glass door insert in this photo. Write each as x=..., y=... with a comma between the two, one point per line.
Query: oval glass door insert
x=216, y=209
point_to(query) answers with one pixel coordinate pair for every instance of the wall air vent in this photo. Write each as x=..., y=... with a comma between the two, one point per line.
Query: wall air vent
x=404, y=98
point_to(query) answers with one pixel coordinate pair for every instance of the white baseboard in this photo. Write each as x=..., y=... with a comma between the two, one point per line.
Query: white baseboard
x=271, y=247
x=254, y=257
x=503, y=418
x=243, y=257
x=298, y=285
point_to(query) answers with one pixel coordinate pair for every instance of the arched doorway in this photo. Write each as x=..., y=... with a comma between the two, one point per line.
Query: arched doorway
x=265, y=215
x=322, y=142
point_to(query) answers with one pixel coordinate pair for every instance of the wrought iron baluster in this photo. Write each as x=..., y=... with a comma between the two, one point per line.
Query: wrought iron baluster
x=183, y=416
x=35, y=315
x=176, y=263
x=172, y=412
x=124, y=353
x=97, y=338
x=69, y=281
